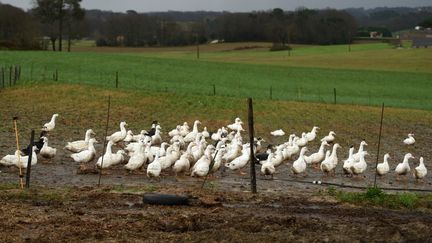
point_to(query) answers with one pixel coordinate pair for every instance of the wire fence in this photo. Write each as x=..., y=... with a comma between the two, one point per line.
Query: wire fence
x=260, y=182
x=126, y=79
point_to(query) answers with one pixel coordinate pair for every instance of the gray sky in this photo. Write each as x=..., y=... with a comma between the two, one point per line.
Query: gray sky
x=230, y=5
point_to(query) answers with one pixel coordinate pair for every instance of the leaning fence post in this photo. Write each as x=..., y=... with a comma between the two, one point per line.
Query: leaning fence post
x=379, y=144
x=271, y=92
x=19, y=72
x=30, y=152
x=15, y=119
x=14, y=75
x=334, y=93
x=31, y=72
x=117, y=79
x=104, y=140
x=252, y=144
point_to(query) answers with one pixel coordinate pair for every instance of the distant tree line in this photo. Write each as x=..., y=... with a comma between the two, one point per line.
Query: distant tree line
x=50, y=22
x=302, y=26
x=17, y=29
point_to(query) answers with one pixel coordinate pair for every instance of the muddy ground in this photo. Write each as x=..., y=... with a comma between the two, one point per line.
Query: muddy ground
x=105, y=215
x=224, y=210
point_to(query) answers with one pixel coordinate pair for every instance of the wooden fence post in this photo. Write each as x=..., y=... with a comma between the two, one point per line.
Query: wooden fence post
x=252, y=142
x=379, y=144
x=56, y=75
x=271, y=92
x=10, y=76
x=104, y=140
x=15, y=74
x=31, y=72
x=117, y=80
x=30, y=152
x=334, y=93
x=19, y=72
x=214, y=90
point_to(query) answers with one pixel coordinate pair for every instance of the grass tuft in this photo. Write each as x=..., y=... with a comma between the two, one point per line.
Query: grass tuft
x=375, y=196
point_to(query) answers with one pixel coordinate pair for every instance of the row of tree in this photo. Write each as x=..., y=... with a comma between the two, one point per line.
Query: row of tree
x=301, y=26
x=56, y=20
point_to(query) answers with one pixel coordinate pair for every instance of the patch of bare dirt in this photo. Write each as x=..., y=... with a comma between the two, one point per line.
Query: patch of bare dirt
x=100, y=214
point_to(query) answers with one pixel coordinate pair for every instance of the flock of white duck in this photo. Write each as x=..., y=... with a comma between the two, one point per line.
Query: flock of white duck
x=188, y=152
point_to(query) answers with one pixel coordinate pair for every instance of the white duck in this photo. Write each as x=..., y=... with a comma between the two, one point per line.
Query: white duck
x=384, y=167
x=46, y=151
x=129, y=136
x=360, y=166
x=138, y=158
x=159, y=150
x=197, y=151
x=278, y=158
x=48, y=127
x=110, y=159
x=329, y=164
x=178, y=139
x=268, y=168
x=404, y=168
x=10, y=159
x=141, y=135
x=420, y=171
x=291, y=150
x=80, y=145
x=120, y=135
x=237, y=125
x=310, y=136
x=18, y=160
x=172, y=155
x=299, y=166
x=241, y=161
x=348, y=163
x=182, y=164
x=202, y=166
x=410, y=140
x=331, y=137
x=86, y=155
x=192, y=135
x=217, y=136
x=184, y=130
x=233, y=151
x=301, y=142
x=205, y=133
x=157, y=138
x=218, y=159
x=278, y=133
x=154, y=169
x=357, y=155
x=317, y=157
x=175, y=131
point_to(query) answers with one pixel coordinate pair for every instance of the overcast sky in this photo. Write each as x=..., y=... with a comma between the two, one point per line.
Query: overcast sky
x=230, y=5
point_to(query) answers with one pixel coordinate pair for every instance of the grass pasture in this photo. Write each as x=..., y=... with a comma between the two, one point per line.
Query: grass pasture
x=369, y=75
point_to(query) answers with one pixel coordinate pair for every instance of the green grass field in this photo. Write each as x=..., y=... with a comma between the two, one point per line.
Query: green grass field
x=370, y=74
